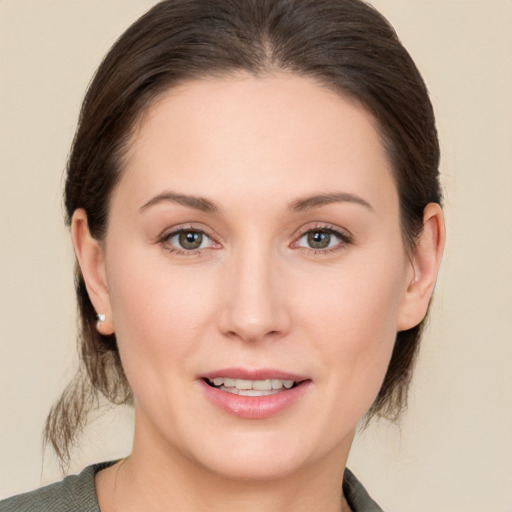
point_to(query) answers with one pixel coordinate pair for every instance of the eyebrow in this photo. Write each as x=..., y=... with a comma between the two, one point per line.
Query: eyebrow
x=310, y=202
x=299, y=205
x=198, y=203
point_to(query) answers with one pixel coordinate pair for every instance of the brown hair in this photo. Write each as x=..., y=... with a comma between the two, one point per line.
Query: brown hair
x=344, y=44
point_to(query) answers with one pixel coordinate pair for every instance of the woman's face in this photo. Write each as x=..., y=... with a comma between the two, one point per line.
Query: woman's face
x=255, y=235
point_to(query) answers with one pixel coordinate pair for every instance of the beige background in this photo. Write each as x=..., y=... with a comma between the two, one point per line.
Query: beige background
x=453, y=451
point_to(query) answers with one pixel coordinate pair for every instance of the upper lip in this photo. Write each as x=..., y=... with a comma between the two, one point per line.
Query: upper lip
x=253, y=374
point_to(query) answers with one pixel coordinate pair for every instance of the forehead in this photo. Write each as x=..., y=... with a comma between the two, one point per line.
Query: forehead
x=259, y=135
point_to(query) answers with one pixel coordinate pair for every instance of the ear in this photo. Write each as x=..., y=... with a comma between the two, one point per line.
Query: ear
x=425, y=261
x=91, y=260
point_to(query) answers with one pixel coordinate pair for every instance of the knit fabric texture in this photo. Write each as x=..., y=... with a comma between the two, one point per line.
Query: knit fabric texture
x=76, y=493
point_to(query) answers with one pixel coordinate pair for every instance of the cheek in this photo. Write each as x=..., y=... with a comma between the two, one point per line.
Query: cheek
x=359, y=302
x=353, y=323
x=158, y=313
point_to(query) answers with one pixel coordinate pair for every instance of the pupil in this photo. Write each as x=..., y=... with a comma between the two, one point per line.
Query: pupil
x=319, y=239
x=190, y=239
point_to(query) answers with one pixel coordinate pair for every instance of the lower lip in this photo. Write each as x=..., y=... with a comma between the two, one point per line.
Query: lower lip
x=255, y=407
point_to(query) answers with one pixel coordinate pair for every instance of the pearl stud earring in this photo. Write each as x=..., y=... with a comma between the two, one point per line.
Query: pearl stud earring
x=101, y=318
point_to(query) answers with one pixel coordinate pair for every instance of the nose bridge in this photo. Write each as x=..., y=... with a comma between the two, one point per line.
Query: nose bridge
x=255, y=305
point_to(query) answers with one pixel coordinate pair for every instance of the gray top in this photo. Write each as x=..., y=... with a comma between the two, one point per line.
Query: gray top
x=76, y=493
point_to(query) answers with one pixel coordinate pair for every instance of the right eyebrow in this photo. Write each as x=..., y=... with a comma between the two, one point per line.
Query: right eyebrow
x=195, y=202
x=315, y=201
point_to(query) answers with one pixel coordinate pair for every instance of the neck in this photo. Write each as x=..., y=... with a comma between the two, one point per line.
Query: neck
x=157, y=476
x=155, y=479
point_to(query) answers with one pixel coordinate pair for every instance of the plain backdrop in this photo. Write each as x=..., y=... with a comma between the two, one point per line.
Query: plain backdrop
x=453, y=449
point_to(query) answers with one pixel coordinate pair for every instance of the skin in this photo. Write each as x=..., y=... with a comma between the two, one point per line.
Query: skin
x=257, y=295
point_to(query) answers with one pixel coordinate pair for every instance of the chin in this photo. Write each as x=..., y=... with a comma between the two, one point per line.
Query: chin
x=268, y=455
x=262, y=466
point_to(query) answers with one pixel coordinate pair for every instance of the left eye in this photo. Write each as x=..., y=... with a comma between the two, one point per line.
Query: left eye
x=319, y=239
x=189, y=239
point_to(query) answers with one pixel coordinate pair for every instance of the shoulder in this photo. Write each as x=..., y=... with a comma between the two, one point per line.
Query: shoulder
x=357, y=496
x=76, y=493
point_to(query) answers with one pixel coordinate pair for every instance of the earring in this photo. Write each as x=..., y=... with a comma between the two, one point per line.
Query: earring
x=101, y=318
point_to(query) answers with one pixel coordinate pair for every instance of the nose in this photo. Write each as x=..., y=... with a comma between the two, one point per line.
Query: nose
x=255, y=297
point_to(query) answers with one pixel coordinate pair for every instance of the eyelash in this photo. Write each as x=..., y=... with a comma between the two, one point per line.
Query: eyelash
x=164, y=240
x=345, y=239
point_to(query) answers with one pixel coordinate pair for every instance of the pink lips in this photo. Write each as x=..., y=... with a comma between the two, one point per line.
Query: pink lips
x=254, y=407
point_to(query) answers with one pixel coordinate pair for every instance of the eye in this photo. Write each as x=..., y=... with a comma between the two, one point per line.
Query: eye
x=319, y=239
x=187, y=240
x=323, y=238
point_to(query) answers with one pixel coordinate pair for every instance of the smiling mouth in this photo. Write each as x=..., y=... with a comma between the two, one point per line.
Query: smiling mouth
x=244, y=387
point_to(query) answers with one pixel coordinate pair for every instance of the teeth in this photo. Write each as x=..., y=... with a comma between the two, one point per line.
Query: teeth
x=243, y=386
x=262, y=385
x=277, y=384
x=249, y=392
x=254, y=392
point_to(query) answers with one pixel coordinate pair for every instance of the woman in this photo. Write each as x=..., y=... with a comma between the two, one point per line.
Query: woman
x=254, y=205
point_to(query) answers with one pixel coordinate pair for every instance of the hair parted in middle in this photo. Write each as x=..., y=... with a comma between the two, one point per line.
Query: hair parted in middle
x=346, y=45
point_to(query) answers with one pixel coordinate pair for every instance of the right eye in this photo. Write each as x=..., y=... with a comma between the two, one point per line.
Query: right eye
x=187, y=241
x=320, y=239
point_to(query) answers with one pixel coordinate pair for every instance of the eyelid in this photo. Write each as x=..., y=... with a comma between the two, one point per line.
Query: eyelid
x=342, y=234
x=323, y=226
x=175, y=230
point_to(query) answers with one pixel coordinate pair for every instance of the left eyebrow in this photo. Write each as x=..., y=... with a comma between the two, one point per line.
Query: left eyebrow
x=195, y=202
x=309, y=202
